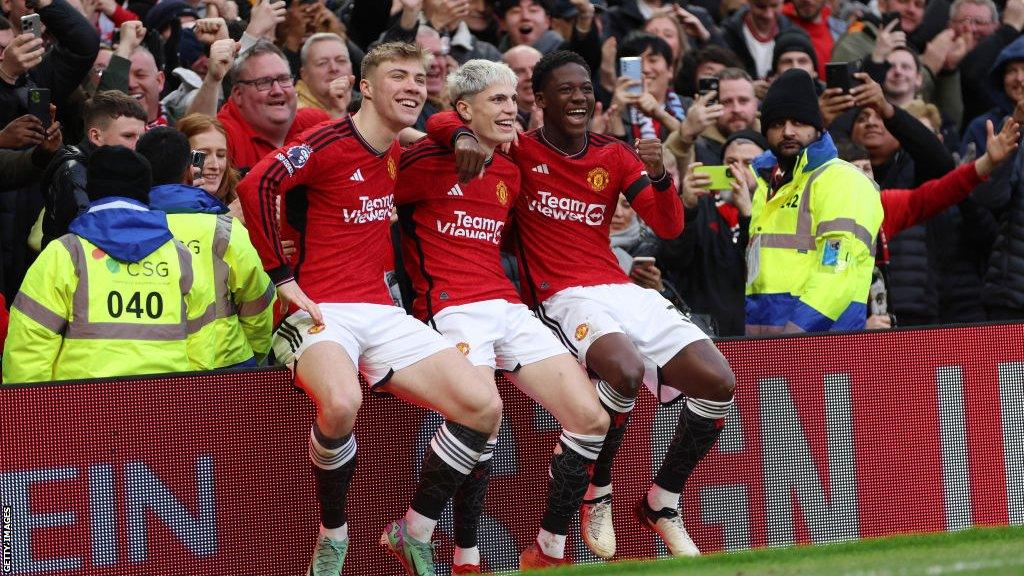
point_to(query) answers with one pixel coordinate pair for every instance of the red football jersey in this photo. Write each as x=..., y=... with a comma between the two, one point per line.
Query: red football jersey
x=451, y=232
x=566, y=205
x=337, y=191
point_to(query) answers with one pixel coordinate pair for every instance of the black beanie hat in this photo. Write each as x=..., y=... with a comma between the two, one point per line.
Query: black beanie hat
x=118, y=171
x=745, y=135
x=793, y=41
x=791, y=97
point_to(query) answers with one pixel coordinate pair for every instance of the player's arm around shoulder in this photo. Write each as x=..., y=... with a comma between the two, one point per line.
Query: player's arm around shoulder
x=39, y=316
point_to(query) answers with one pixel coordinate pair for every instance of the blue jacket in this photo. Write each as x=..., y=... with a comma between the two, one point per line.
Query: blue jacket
x=183, y=199
x=124, y=228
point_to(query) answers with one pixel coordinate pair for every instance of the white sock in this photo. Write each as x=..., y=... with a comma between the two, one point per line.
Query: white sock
x=339, y=534
x=552, y=545
x=465, y=556
x=658, y=498
x=595, y=492
x=419, y=526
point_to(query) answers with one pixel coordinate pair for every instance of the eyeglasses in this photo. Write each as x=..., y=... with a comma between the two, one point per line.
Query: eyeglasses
x=970, y=20
x=264, y=84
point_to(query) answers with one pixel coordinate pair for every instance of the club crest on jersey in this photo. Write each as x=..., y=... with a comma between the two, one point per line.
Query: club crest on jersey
x=463, y=347
x=582, y=330
x=598, y=179
x=392, y=169
x=502, y=191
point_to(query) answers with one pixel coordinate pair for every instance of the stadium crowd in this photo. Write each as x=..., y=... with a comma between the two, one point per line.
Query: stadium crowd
x=765, y=167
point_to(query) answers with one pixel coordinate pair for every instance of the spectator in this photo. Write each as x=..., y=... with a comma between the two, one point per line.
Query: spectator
x=302, y=20
x=63, y=67
x=706, y=62
x=112, y=118
x=707, y=261
x=145, y=85
x=219, y=178
x=793, y=49
x=808, y=268
x=522, y=59
x=465, y=43
x=906, y=208
x=713, y=117
x=751, y=32
x=1005, y=84
x=668, y=28
x=6, y=35
x=1003, y=270
x=632, y=15
x=326, y=73
x=230, y=326
x=906, y=154
x=25, y=150
x=978, y=63
x=976, y=19
x=657, y=111
x=903, y=81
x=430, y=40
x=51, y=337
x=815, y=18
x=527, y=22
x=260, y=114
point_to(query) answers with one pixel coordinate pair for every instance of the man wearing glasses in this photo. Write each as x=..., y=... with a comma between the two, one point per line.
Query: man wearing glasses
x=260, y=114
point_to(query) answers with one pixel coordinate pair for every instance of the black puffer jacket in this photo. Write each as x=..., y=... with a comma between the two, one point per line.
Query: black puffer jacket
x=1003, y=193
x=64, y=182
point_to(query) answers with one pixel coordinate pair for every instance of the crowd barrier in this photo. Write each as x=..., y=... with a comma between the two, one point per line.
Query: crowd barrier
x=833, y=437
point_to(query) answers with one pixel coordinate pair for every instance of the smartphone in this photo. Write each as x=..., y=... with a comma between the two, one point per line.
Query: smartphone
x=632, y=67
x=889, y=17
x=39, y=105
x=30, y=23
x=840, y=75
x=642, y=261
x=721, y=176
x=198, y=159
x=708, y=84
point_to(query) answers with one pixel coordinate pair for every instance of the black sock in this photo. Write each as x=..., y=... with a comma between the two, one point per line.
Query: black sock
x=570, y=475
x=469, y=504
x=694, y=437
x=612, y=443
x=334, y=463
x=451, y=456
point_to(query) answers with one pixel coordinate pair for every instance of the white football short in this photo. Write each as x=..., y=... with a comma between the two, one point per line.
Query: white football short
x=379, y=339
x=498, y=333
x=582, y=314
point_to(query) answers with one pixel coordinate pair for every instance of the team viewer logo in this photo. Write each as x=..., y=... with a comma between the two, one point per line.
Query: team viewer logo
x=502, y=191
x=581, y=331
x=392, y=169
x=463, y=347
x=598, y=179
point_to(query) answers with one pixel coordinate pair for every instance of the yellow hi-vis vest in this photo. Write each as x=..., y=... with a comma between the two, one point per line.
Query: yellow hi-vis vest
x=811, y=251
x=234, y=317
x=82, y=314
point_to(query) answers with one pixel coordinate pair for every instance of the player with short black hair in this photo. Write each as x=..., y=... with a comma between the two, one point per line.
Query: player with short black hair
x=627, y=335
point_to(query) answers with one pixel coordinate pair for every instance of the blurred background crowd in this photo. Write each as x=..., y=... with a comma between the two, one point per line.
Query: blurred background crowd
x=239, y=80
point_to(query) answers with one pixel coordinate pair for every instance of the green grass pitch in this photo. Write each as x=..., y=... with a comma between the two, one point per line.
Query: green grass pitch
x=979, y=551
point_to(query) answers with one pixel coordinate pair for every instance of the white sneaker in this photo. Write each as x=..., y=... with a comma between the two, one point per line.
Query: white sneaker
x=668, y=524
x=597, y=527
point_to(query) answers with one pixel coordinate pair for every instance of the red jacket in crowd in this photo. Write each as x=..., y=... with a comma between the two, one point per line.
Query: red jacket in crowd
x=906, y=208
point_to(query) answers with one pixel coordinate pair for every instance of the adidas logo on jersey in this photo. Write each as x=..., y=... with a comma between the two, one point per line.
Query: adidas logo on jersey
x=541, y=169
x=357, y=176
x=455, y=191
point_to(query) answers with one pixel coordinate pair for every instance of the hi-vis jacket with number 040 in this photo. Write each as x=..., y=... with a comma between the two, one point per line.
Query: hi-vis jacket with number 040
x=108, y=299
x=233, y=323
x=811, y=250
